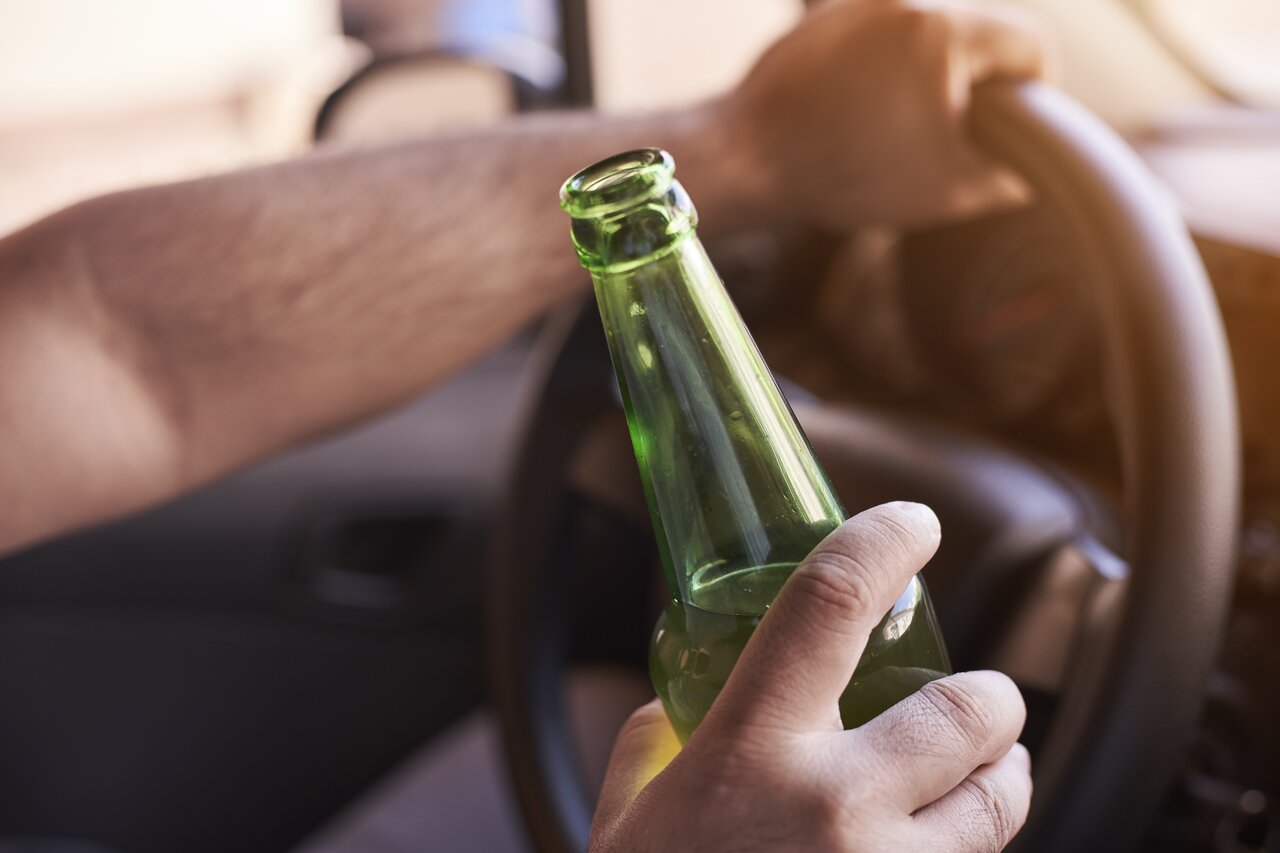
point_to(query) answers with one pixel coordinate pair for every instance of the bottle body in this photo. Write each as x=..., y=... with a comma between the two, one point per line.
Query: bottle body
x=736, y=496
x=729, y=477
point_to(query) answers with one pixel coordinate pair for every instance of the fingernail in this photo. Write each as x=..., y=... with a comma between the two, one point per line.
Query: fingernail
x=1020, y=752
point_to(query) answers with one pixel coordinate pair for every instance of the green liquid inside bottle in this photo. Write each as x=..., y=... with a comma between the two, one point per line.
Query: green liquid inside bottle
x=735, y=494
x=695, y=648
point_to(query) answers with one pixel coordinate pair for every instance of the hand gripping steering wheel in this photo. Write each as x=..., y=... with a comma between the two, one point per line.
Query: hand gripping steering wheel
x=1130, y=696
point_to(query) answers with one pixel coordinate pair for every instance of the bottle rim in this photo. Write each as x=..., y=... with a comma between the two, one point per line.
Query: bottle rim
x=617, y=183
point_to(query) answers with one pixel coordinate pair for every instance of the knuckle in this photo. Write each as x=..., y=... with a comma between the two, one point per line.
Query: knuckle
x=831, y=581
x=993, y=812
x=913, y=17
x=925, y=24
x=913, y=734
x=968, y=718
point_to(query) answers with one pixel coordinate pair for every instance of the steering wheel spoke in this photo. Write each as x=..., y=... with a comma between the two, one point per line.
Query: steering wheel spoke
x=1072, y=598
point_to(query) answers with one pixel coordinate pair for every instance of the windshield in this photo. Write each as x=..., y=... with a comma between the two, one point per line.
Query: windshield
x=1233, y=44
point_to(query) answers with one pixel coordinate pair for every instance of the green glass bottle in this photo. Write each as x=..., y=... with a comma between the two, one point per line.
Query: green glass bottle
x=736, y=496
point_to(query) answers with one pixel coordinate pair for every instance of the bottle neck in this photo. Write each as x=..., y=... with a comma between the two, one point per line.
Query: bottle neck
x=730, y=479
x=639, y=234
x=735, y=493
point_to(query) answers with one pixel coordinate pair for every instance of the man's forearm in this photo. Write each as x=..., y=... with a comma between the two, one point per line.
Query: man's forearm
x=154, y=339
x=169, y=334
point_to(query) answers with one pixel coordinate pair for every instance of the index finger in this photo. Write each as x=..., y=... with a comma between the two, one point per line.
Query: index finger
x=805, y=650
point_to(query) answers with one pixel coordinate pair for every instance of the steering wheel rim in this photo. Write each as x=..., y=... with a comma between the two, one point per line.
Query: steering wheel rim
x=1175, y=418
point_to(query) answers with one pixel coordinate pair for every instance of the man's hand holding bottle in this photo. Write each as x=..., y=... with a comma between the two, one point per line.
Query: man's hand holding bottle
x=771, y=768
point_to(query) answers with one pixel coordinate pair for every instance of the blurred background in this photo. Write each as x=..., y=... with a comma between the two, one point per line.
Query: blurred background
x=99, y=96
x=95, y=96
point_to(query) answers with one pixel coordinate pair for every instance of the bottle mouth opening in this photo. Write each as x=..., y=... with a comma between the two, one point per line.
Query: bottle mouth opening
x=618, y=182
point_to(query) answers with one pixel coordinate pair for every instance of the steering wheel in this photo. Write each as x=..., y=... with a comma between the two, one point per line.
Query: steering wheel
x=1131, y=692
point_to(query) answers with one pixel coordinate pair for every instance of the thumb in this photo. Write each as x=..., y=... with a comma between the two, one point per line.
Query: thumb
x=645, y=745
x=805, y=650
